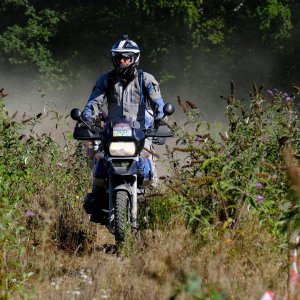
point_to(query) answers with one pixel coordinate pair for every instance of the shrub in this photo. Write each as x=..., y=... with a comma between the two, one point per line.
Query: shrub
x=221, y=178
x=40, y=188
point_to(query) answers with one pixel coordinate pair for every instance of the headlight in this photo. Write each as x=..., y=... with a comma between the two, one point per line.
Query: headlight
x=122, y=148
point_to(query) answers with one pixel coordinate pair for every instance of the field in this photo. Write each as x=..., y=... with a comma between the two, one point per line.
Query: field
x=221, y=225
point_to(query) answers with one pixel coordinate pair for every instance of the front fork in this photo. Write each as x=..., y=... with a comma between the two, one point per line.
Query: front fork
x=132, y=191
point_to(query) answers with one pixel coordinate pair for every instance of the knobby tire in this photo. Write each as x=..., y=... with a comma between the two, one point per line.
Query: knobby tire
x=122, y=204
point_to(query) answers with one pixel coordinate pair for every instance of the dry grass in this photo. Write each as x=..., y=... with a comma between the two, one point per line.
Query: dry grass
x=292, y=169
x=242, y=264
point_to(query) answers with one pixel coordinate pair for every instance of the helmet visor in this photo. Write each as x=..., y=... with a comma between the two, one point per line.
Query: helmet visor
x=124, y=54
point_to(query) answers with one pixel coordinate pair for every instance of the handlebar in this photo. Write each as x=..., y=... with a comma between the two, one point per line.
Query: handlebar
x=95, y=133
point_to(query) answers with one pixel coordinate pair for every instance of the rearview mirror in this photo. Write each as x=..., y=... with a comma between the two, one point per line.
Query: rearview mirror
x=168, y=109
x=75, y=114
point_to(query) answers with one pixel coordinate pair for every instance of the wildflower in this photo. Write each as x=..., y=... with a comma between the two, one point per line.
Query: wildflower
x=259, y=185
x=287, y=98
x=285, y=95
x=105, y=293
x=259, y=198
x=270, y=92
x=274, y=177
x=29, y=213
x=228, y=157
x=198, y=138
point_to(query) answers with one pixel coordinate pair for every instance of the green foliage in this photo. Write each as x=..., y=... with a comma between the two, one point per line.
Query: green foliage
x=275, y=14
x=53, y=36
x=40, y=188
x=27, y=41
x=193, y=286
x=219, y=180
x=158, y=211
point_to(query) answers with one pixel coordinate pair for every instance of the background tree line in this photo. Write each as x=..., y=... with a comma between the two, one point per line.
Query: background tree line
x=200, y=41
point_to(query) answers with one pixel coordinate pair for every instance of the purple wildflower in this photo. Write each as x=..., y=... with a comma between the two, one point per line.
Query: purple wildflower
x=29, y=213
x=285, y=95
x=198, y=138
x=270, y=92
x=23, y=137
x=259, y=198
x=287, y=98
x=259, y=185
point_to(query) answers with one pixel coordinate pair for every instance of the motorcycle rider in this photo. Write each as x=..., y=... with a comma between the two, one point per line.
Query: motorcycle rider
x=122, y=88
x=126, y=90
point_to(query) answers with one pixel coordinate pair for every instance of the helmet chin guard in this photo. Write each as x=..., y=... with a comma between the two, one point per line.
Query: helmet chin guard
x=127, y=48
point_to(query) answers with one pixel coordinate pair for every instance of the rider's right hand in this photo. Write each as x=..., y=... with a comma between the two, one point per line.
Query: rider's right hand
x=157, y=123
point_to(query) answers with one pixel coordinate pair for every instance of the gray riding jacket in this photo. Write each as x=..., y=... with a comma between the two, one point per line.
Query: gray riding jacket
x=124, y=99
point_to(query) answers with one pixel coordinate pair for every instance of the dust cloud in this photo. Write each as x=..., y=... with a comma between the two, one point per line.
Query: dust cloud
x=208, y=78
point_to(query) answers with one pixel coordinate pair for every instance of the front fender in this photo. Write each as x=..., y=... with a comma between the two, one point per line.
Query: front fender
x=124, y=187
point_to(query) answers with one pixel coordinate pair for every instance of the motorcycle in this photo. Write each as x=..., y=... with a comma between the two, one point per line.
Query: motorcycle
x=120, y=172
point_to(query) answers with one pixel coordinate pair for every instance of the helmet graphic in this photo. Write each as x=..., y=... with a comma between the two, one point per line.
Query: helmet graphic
x=125, y=48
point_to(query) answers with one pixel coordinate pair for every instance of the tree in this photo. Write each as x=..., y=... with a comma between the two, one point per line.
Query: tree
x=173, y=35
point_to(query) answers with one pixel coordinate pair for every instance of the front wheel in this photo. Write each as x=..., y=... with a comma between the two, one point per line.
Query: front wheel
x=122, y=214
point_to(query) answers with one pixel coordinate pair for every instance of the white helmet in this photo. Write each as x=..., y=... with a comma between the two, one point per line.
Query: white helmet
x=128, y=48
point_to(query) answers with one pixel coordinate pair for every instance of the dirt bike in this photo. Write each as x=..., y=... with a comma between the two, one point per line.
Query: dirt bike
x=120, y=173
